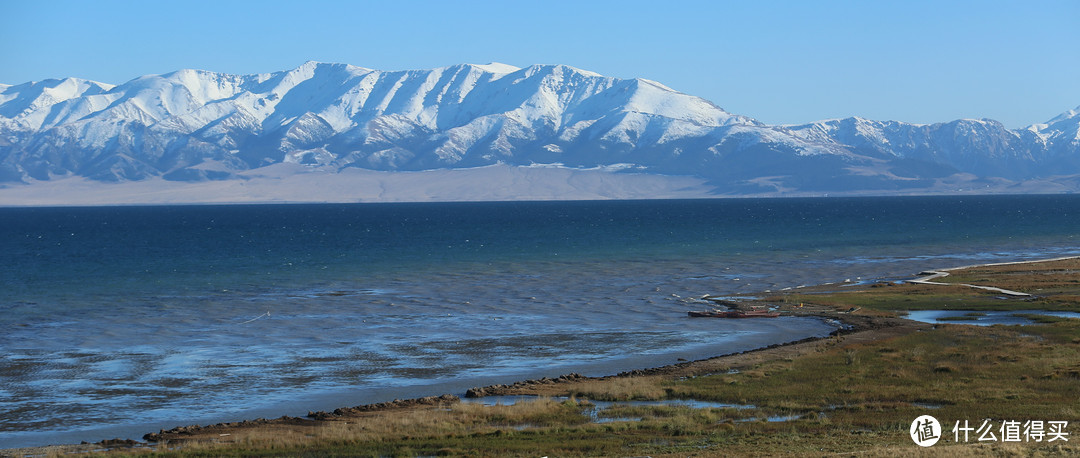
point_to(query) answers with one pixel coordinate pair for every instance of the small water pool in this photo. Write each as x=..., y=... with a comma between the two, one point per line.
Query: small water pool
x=984, y=318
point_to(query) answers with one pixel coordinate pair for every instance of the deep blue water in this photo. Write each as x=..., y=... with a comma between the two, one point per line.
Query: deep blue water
x=121, y=320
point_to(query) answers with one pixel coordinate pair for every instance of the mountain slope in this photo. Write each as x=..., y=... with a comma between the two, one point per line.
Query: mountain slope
x=982, y=147
x=194, y=126
x=344, y=116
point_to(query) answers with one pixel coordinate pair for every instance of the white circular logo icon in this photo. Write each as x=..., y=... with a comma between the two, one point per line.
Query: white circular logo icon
x=925, y=431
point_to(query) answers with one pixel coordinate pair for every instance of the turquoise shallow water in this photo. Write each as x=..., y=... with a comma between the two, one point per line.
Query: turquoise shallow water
x=121, y=320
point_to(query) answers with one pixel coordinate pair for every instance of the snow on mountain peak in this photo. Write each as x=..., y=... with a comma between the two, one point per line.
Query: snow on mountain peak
x=339, y=116
x=497, y=68
x=310, y=68
x=558, y=70
x=657, y=84
x=32, y=105
x=581, y=71
x=1065, y=116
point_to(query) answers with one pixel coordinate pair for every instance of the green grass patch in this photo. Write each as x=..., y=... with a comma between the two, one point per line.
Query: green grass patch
x=1053, y=286
x=978, y=372
x=923, y=297
x=1042, y=319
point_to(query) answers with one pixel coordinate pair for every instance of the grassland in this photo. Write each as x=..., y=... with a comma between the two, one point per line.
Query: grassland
x=1053, y=285
x=854, y=394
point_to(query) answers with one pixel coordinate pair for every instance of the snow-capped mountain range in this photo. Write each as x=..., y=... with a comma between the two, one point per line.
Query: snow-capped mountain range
x=342, y=124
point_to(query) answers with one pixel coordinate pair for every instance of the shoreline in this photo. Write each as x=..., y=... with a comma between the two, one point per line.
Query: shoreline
x=303, y=402
x=858, y=329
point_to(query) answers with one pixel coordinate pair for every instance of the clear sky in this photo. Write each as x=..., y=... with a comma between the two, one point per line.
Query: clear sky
x=781, y=62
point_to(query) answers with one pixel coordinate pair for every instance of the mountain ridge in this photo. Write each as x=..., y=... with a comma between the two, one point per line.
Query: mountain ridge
x=196, y=126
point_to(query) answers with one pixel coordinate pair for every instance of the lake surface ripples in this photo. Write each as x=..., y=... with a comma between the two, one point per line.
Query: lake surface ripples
x=122, y=320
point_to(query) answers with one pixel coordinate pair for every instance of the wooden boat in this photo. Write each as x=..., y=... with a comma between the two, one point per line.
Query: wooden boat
x=733, y=314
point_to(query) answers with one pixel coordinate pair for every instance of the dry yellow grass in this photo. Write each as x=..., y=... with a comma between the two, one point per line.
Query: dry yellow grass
x=643, y=388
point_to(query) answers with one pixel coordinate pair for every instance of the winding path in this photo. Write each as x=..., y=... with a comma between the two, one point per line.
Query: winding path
x=935, y=274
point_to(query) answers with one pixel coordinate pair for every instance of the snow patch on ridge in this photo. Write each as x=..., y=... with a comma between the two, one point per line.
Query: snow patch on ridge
x=498, y=68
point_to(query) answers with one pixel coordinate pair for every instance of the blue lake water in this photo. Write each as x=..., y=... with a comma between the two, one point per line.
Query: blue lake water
x=984, y=318
x=117, y=321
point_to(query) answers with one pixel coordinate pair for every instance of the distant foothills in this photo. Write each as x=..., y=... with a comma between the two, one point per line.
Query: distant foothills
x=335, y=132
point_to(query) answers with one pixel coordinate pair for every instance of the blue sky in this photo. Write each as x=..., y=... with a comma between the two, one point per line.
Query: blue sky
x=777, y=61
